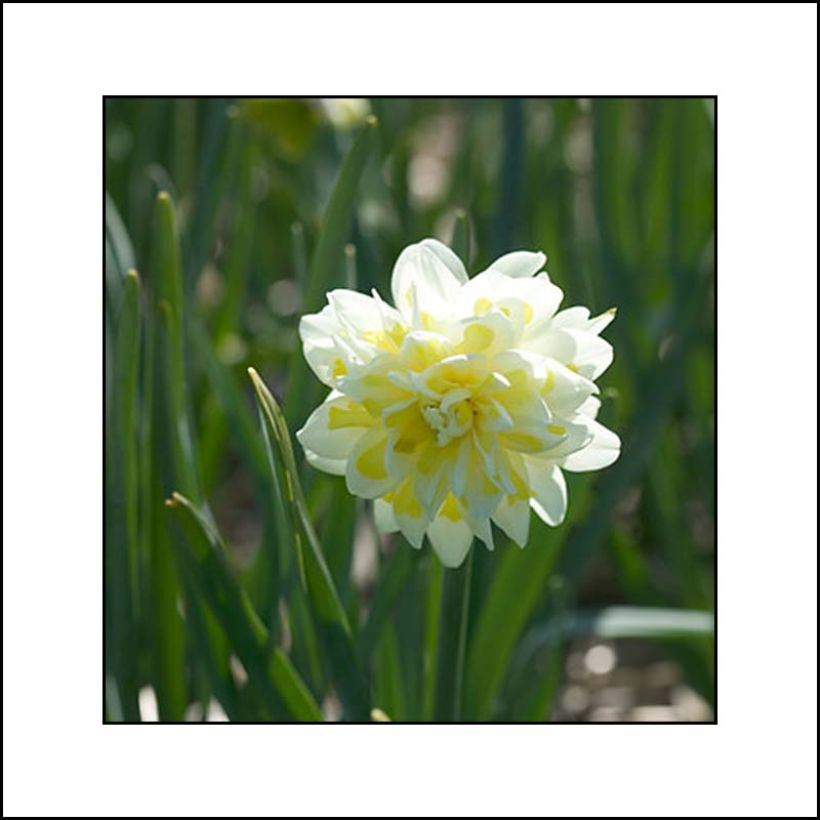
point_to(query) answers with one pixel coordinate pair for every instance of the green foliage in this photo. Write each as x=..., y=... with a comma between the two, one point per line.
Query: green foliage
x=234, y=573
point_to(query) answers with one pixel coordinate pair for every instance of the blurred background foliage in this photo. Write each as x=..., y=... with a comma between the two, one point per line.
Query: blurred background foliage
x=239, y=214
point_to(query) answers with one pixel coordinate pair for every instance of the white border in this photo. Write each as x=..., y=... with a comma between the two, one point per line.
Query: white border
x=761, y=61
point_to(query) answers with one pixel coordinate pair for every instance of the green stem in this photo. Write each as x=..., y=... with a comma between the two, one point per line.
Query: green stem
x=462, y=636
x=455, y=608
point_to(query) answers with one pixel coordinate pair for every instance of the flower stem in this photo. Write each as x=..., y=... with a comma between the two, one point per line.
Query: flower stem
x=452, y=647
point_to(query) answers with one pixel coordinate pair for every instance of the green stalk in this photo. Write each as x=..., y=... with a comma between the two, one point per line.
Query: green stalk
x=327, y=260
x=454, y=631
x=432, y=628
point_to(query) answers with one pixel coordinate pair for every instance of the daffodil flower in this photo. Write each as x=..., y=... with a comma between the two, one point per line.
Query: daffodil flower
x=461, y=405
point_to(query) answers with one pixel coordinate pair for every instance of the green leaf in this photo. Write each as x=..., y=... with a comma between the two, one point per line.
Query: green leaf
x=399, y=569
x=390, y=680
x=328, y=258
x=453, y=640
x=169, y=441
x=119, y=253
x=461, y=237
x=331, y=619
x=620, y=622
x=167, y=627
x=266, y=667
x=516, y=588
x=122, y=540
x=432, y=627
x=168, y=272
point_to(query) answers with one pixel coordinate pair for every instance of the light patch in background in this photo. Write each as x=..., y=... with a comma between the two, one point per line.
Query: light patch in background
x=346, y=112
x=285, y=297
x=600, y=659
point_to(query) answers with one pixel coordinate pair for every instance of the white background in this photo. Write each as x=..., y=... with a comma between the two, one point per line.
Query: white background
x=58, y=61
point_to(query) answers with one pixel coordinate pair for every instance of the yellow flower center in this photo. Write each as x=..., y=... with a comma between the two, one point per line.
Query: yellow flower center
x=451, y=417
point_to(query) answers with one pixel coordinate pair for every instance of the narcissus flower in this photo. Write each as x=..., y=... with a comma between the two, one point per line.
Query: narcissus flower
x=462, y=404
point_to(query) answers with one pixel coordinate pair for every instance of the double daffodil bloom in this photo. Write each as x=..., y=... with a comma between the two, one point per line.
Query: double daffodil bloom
x=462, y=404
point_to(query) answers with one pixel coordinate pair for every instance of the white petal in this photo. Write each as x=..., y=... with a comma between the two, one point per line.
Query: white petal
x=578, y=435
x=590, y=407
x=451, y=537
x=587, y=353
x=334, y=466
x=599, y=323
x=565, y=391
x=319, y=332
x=383, y=516
x=334, y=427
x=526, y=300
x=574, y=318
x=426, y=280
x=367, y=474
x=577, y=318
x=411, y=516
x=482, y=530
x=549, y=491
x=520, y=263
x=513, y=516
x=448, y=257
x=602, y=451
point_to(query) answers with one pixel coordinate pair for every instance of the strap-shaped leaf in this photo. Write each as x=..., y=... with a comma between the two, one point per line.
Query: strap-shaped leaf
x=328, y=257
x=331, y=619
x=268, y=669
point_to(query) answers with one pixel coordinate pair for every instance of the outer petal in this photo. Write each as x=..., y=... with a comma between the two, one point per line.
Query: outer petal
x=367, y=474
x=450, y=534
x=524, y=300
x=513, y=516
x=602, y=451
x=410, y=515
x=585, y=352
x=426, y=278
x=383, y=516
x=564, y=390
x=369, y=324
x=334, y=466
x=319, y=334
x=332, y=431
x=577, y=318
x=590, y=407
x=520, y=263
x=513, y=511
x=549, y=491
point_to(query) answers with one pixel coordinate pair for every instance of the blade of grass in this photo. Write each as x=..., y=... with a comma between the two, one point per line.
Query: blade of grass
x=399, y=569
x=432, y=626
x=452, y=648
x=121, y=544
x=267, y=667
x=617, y=622
x=331, y=619
x=328, y=258
x=460, y=243
x=514, y=592
x=389, y=684
x=168, y=270
x=119, y=253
